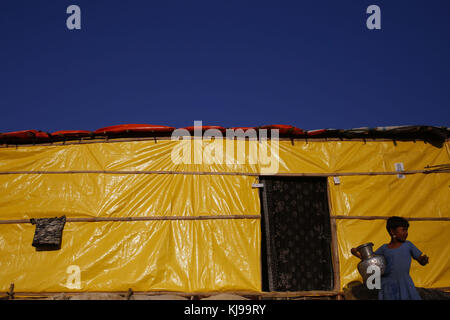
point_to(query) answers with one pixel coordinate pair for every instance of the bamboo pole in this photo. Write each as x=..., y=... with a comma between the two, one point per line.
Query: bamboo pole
x=265, y=211
x=262, y=294
x=329, y=174
x=217, y=217
x=334, y=244
x=343, y=217
x=152, y=218
x=105, y=139
x=274, y=294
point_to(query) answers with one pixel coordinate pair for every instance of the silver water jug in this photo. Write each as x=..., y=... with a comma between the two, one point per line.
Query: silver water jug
x=369, y=259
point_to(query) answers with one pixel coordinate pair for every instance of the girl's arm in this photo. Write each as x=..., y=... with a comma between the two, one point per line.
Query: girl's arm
x=417, y=254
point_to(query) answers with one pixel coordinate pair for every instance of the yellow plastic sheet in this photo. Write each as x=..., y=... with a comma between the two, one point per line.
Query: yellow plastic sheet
x=206, y=255
x=189, y=256
x=418, y=195
x=115, y=195
x=243, y=156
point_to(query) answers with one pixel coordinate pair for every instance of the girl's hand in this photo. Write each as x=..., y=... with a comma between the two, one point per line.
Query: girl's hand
x=423, y=260
x=355, y=253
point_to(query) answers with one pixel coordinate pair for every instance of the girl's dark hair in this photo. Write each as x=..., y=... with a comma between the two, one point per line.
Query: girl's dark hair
x=395, y=222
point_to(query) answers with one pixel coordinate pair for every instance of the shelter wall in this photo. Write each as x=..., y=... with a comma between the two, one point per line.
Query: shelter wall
x=140, y=179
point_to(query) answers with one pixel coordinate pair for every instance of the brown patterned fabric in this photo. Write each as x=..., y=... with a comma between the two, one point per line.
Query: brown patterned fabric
x=48, y=233
x=297, y=235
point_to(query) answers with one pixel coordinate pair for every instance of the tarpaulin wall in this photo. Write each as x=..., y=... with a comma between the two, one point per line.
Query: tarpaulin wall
x=154, y=179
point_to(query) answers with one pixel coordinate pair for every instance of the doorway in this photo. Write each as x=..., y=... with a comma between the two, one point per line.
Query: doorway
x=296, y=234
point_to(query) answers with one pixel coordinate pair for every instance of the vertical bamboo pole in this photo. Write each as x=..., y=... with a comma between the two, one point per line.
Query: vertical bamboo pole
x=334, y=243
x=267, y=231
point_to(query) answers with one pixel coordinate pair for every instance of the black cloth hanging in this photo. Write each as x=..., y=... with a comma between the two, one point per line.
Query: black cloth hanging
x=48, y=233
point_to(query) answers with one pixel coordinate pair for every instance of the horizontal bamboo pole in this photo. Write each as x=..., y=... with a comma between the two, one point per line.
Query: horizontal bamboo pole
x=343, y=217
x=304, y=138
x=190, y=294
x=104, y=139
x=216, y=217
x=153, y=218
x=262, y=294
x=329, y=174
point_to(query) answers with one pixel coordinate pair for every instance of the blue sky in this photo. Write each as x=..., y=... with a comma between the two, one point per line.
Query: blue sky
x=311, y=64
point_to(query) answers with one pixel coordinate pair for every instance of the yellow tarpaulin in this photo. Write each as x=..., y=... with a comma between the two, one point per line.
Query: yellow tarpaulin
x=115, y=195
x=145, y=179
x=189, y=256
x=419, y=195
x=248, y=156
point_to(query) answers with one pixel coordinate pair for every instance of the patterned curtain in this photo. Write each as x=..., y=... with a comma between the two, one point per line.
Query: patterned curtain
x=296, y=234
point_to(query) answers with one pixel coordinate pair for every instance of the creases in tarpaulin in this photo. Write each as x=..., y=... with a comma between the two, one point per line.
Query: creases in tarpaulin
x=48, y=233
x=420, y=195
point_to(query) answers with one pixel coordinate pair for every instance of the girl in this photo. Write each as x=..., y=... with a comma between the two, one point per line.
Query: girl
x=396, y=283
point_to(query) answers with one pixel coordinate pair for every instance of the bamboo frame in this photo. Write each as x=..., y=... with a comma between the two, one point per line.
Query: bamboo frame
x=328, y=174
x=333, y=218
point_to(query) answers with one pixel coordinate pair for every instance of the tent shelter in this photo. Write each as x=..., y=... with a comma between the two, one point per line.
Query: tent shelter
x=156, y=214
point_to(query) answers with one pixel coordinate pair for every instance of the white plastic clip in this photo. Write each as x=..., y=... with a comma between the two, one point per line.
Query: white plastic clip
x=257, y=185
x=399, y=167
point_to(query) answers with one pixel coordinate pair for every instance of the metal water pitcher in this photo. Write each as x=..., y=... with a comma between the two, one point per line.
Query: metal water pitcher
x=369, y=259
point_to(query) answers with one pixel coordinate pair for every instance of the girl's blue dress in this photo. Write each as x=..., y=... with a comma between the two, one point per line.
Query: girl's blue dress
x=396, y=283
